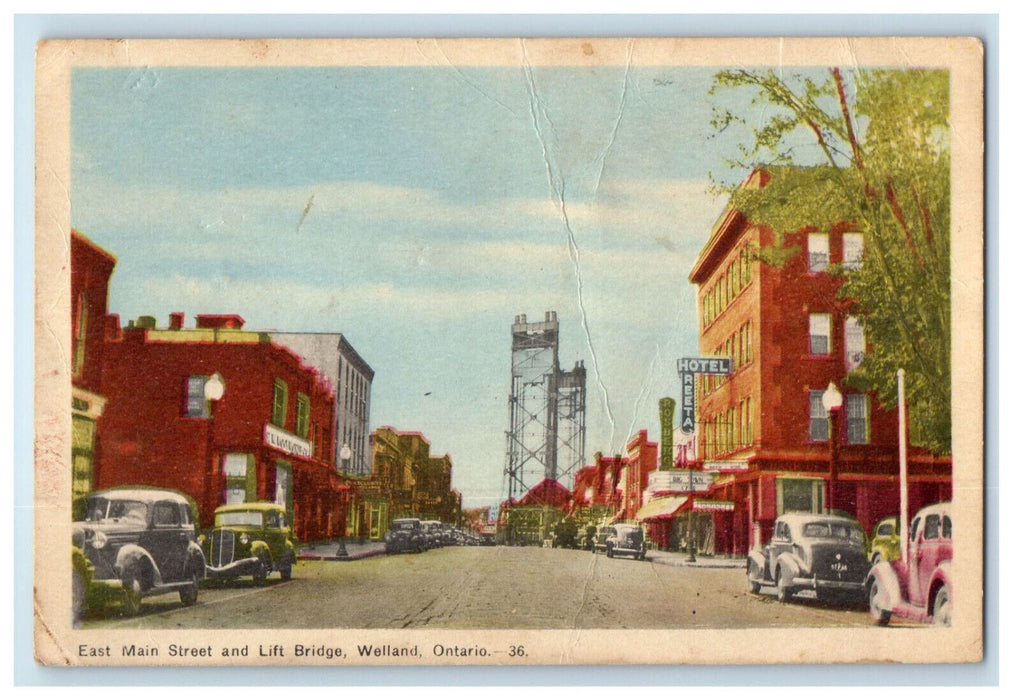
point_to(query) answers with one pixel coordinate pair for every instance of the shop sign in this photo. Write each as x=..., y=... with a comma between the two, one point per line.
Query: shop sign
x=680, y=481
x=727, y=466
x=687, y=368
x=287, y=442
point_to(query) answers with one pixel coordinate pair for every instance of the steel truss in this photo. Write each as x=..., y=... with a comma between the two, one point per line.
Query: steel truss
x=546, y=409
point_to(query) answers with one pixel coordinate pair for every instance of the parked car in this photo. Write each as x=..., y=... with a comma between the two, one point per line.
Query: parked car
x=626, y=539
x=433, y=533
x=405, y=535
x=565, y=534
x=133, y=543
x=599, y=543
x=810, y=551
x=922, y=588
x=885, y=543
x=250, y=539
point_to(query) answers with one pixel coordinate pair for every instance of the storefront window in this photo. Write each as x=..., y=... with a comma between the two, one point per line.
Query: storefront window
x=799, y=495
x=239, y=470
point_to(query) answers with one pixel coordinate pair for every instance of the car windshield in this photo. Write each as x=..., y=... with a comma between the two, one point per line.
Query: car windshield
x=842, y=531
x=628, y=531
x=403, y=525
x=252, y=518
x=116, y=510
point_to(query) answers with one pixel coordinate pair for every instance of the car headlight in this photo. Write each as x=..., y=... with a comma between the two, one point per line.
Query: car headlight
x=98, y=539
x=244, y=539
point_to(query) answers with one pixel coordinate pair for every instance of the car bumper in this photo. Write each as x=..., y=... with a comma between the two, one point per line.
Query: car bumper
x=629, y=551
x=241, y=567
x=816, y=584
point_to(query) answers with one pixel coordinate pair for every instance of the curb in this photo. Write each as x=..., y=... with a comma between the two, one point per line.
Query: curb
x=671, y=561
x=333, y=557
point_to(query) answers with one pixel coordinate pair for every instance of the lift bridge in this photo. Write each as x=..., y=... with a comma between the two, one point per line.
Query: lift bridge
x=546, y=407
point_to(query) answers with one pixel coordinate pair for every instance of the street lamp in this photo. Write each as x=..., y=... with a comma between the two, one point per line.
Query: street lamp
x=214, y=389
x=345, y=457
x=832, y=401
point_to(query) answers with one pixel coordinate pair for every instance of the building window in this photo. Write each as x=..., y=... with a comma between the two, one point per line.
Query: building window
x=853, y=251
x=279, y=418
x=239, y=470
x=80, y=328
x=820, y=329
x=818, y=252
x=196, y=405
x=858, y=425
x=853, y=331
x=819, y=430
x=799, y=495
x=303, y=412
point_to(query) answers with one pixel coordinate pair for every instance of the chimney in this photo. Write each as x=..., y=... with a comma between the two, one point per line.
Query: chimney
x=219, y=321
x=176, y=320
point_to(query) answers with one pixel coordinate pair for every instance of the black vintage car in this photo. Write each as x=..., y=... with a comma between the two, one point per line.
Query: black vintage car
x=406, y=535
x=133, y=543
x=627, y=540
x=809, y=551
x=250, y=539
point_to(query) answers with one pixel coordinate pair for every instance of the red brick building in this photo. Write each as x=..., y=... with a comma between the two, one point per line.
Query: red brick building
x=271, y=437
x=91, y=268
x=764, y=428
x=642, y=459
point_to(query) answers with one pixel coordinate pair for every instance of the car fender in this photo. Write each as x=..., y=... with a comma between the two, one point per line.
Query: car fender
x=260, y=548
x=196, y=557
x=792, y=564
x=890, y=595
x=757, y=559
x=290, y=553
x=131, y=556
x=942, y=576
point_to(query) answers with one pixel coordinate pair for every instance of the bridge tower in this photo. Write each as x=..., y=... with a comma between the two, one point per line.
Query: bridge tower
x=546, y=407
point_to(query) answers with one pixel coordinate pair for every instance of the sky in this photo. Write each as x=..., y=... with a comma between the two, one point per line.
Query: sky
x=418, y=210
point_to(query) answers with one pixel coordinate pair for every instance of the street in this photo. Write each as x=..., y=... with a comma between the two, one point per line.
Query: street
x=486, y=587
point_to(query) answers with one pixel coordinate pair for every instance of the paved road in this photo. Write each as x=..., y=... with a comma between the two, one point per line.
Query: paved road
x=487, y=587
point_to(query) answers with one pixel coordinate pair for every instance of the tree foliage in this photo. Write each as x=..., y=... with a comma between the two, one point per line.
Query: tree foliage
x=877, y=156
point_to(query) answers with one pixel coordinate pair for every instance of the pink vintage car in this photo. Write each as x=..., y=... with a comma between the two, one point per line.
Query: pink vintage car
x=921, y=588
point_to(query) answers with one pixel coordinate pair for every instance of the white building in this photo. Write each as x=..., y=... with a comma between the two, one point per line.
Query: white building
x=338, y=361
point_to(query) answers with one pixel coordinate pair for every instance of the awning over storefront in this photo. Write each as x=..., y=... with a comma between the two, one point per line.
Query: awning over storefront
x=704, y=505
x=660, y=508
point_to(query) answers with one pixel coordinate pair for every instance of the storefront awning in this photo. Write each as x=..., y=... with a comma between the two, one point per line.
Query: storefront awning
x=704, y=505
x=660, y=508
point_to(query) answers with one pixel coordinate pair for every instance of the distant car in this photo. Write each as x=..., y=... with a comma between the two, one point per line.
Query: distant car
x=885, y=543
x=922, y=588
x=134, y=543
x=433, y=533
x=626, y=540
x=599, y=542
x=565, y=534
x=405, y=535
x=250, y=539
x=809, y=551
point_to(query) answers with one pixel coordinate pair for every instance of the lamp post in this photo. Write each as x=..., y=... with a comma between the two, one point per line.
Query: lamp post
x=345, y=458
x=832, y=401
x=214, y=389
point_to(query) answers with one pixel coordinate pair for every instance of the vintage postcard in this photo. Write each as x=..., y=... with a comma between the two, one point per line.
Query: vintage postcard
x=509, y=351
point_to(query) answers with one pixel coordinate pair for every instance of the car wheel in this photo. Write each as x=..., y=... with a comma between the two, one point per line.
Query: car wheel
x=285, y=572
x=783, y=593
x=261, y=571
x=753, y=586
x=132, y=595
x=609, y=551
x=189, y=594
x=880, y=616
x=942, y=609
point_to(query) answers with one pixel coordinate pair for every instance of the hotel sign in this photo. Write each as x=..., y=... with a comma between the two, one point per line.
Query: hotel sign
x=687, y=367
x=287, y=442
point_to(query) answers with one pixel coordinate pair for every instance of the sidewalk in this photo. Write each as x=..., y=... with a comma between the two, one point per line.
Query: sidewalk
x=702, y=561
x=328, y=550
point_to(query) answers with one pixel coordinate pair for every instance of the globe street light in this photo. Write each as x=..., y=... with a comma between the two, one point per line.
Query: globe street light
x=214, y=389
x=345, y=457
x=832, y=401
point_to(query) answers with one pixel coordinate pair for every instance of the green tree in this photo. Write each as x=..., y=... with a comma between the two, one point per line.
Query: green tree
x=872, y=150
